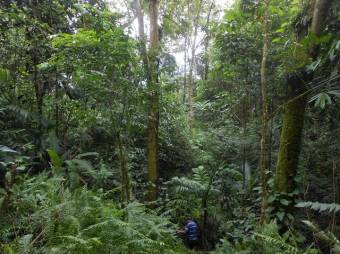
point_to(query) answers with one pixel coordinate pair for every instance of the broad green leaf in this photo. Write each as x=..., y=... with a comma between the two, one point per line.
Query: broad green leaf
x=284, y=202
x=280, y=215
x=56, y=161
x=4, y=74
x=271, y=198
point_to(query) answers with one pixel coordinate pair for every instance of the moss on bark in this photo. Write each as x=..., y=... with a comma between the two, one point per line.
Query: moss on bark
x=290, y=141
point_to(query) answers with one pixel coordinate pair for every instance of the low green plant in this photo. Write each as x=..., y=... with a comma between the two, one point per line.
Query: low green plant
x=324, y=235
x=45, y=216
x=266, y=240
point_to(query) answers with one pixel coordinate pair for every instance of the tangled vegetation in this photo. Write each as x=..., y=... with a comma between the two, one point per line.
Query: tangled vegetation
x=120, y=120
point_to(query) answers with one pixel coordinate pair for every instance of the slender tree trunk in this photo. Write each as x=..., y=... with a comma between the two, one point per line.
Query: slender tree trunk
x=153, y=93
x=204, y=231
x=151, y=69
x=124, y=170
x=142, y=36
x=185, y=69
x=190, y=76
x=265, y=132
x=56, y=109
x=204, y=221
x=335, y=200
x=206, y=44
x=244, y=150
x=38, y=87
x=294, y=110
x=191, y=66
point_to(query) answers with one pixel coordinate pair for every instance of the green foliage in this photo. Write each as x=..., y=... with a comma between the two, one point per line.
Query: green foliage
x=56, y=161
x=327, y=236
x=4, y=75
x=46, y=217
x=187, y=194
x=266, y=240
x=323, y=99
x=320, y=207
x=72, y=81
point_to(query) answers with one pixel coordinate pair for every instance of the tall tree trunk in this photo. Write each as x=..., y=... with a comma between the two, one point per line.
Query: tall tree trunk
x=151, y=70
x=244, y=145
x=290, y=140
x=185, y=69
x=206, y=44
x=56, y=98
x=190, y=76
x=191, y=66
x=39, y=96
x=153, y=93
x=142, y=36
x=265, y=132
x=294, y=110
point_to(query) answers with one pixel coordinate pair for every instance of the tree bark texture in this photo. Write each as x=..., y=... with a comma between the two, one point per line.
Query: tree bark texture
x=265, y=132
x=153, y=93
x=124, y=171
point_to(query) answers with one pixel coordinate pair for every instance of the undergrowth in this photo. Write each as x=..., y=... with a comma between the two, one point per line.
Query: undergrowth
x=42, y=215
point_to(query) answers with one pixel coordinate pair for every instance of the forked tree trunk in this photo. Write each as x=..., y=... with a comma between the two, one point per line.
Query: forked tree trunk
x=265, y=132
x=294, y=110
x=153, y=93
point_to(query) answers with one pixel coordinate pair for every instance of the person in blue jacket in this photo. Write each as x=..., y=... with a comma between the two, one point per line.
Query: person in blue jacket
x=191, y=232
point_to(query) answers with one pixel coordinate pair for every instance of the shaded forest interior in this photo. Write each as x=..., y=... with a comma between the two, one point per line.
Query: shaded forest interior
x=121, y=120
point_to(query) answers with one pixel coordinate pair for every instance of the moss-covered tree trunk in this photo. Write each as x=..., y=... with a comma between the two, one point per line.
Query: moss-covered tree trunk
x=153, y=94
x=290, y=140
x=294, y=110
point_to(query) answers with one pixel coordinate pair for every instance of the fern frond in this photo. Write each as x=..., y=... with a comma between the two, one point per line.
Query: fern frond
x=287, y=248
x=320, y=207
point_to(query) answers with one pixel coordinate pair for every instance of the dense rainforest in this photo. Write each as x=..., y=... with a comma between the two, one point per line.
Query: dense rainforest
x=121, y=120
